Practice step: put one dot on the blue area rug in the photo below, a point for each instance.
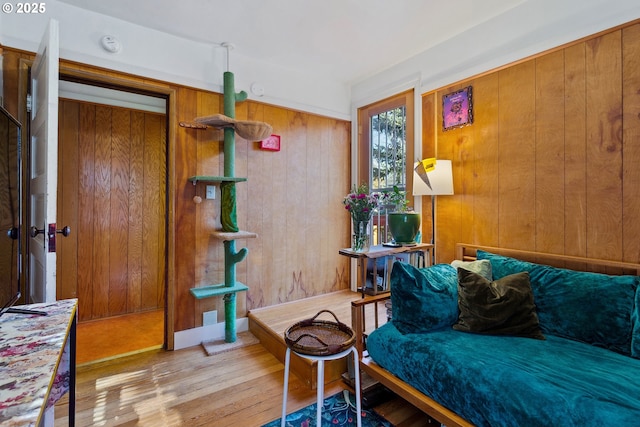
(338, 410)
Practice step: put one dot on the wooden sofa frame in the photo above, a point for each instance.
(464, 252)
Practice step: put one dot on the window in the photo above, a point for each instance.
(388, 149)
(385, 142)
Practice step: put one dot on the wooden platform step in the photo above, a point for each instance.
(268, 325)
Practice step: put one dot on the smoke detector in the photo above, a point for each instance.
(110, 44)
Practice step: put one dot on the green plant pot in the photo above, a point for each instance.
(404, 226)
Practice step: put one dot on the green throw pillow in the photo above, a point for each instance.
(501, 307)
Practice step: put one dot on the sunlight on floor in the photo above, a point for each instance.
(138, 390)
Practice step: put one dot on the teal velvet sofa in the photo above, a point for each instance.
(577, 365)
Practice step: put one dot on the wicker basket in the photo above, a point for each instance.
(319, 337)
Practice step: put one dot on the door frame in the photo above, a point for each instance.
(97, 79)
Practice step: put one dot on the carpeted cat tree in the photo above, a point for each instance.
(252, 131)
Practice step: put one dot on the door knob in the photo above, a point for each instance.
(35, 231)
(66, 230)
(51, 234)
(12, 233)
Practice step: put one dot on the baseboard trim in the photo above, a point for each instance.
(195, 336)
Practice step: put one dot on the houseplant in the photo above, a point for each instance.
(404, 224)
(361, 204)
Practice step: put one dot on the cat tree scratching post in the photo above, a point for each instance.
(228, 209)
(253, 131)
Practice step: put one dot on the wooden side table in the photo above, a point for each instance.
(386, 254)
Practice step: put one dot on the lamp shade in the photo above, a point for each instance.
(432, 177)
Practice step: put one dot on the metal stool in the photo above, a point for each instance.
(320, 385)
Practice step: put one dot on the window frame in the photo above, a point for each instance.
(404, 99)
(364, 167)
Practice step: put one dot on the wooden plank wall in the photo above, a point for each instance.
(292, 199)
(550, 162)
(112, 192)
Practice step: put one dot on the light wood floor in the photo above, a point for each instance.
(242, 387)
(104, 339)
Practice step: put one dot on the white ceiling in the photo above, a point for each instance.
(321, 56)
(348, 40)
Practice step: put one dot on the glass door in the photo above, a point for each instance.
(385, 142)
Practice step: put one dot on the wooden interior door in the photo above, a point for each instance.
(112, 188)
(43, 151)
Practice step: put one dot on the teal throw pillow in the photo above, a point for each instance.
(635, 318)
(423, 299)
(590, 307)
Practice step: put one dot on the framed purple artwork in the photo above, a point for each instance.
(457, 109)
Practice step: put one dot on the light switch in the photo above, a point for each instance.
(210, 317)
(211, 192)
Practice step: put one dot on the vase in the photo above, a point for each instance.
(360, 239)
(404, 227)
